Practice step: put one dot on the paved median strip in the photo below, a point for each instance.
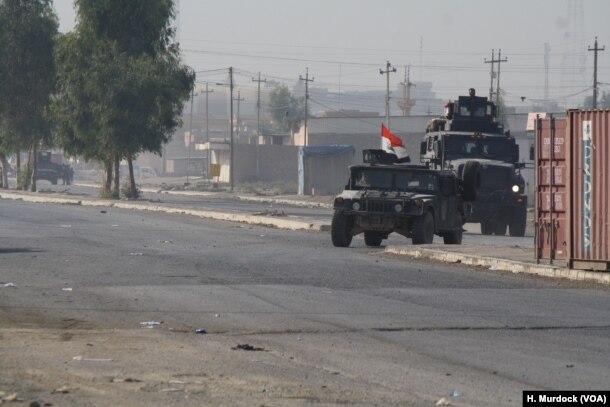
(287, 224)
(493, 263)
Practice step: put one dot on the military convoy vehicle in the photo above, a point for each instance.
(51, 171)
(469, 141)
(382, 197)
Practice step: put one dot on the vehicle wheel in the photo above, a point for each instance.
(373, 238)
(487, 228)
(518, 222)
(454, 237)
(471, 180)
(423, 229)
(500, 228)
(339, 231)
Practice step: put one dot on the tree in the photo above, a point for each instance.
(27, 76)
(122, 83)
(285, 110)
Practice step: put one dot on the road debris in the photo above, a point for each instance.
(151, 323)
(165, 241)
(455, 393)
(82, 359)
(136, 254)
(66, 289)
(115, 226)
(66, 226)
(62, 390)
(8, 285)
(248, 348)
(125, 380)
(201, 331)
(103, 211)
(443, 402)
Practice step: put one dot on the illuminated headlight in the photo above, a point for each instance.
(356, 206)
(398, 207)
(515, 188)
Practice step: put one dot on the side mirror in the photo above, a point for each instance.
(423, 147)
(516, 153)
(532, 153)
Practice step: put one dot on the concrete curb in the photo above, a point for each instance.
(493, 263)
(263, 199)
(224, 216)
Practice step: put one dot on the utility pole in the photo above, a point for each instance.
(207, 128)
(595, 49)
(258, 120)
(231, 170)
(188, 157)
(491, 73)
(492, 62)
(307, 80)
(500, 60)
(239, 99)
(388, 69)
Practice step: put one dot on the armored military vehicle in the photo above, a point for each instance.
(471, 142)
(382, 197)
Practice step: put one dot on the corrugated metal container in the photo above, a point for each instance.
(551, 195)
(588, 157)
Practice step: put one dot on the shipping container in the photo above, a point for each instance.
(588, 158)
(551, 194)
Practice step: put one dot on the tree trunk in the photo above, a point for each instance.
(5, 167)
(116, 193)
(18, 168)
(132, 180)
(35, 167)
(108, 179)
(28, 168)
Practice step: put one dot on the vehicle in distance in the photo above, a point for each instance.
(471, 142)
(411, 200)
(47, 169)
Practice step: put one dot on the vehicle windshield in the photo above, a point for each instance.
(404, 181)
(487, 147)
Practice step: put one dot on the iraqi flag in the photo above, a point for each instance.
(393, 145)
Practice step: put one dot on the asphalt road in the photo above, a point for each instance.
(234, 205)
(334, 326)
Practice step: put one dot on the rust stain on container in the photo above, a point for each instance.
(551, 194)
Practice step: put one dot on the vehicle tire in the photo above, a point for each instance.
(500, 228)
(423, 229)
(339, 231)
(454, 237)
(471, 180)
(518, 222)
(487, 228)
(373, 238)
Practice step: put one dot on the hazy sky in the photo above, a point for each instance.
(345, 42)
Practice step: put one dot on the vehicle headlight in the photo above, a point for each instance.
(398, 207)
(515, 188)
(356, 206)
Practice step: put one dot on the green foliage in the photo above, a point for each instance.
(122, 85)
(27, 32)
(285, 110)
